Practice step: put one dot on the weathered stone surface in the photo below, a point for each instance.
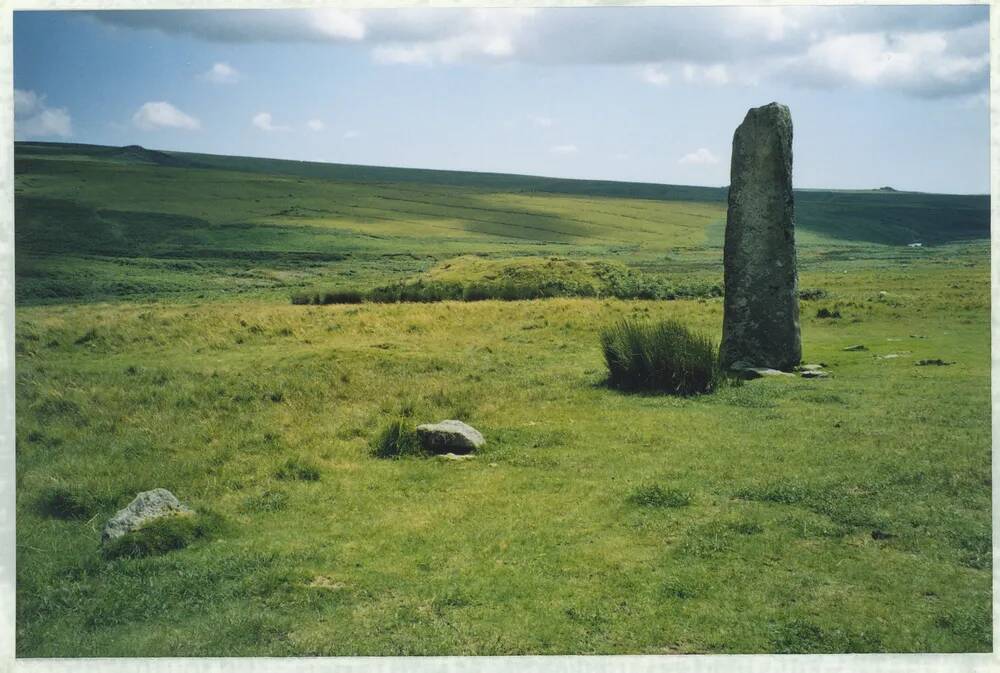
(761, 320)
(856, 347)
(814, 374)
(751, 373)
(146, 507)
(811, 368)
(449, 436)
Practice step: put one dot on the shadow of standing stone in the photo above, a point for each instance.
(761, 322)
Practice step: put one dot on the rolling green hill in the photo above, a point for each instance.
(94, 221)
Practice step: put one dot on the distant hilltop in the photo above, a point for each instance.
(512, 182)
(139, 154)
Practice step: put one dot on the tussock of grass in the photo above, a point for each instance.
(63, 502)
(656, 496)
(397, 438)
(165, 534)
(663, 357)
(301, 469)
(812, 294)
(265, 502)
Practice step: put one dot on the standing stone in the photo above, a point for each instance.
(761, 322)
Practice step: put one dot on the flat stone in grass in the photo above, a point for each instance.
(856, 347)
(751, 373)
(814, 374)
(147, 506)
(449, 437)
(938, 362)
(456, 456)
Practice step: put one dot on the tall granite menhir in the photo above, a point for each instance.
(760, 326)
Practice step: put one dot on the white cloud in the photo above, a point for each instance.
(700, 157)
(339, 24)
(264, 122)
(315, 125)
(655, 75)
(927, 64)
(542, 122)
(919, 50)
(716, 74)
(351, 135)
(564, 149)
(221, 73)
(34, 119)
(161, 114)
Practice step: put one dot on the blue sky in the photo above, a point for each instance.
(879, 95)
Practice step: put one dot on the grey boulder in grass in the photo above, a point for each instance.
(449, 436)
(146, 507)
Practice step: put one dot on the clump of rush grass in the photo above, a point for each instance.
(166, 534)
(656, 496)
(396, 439)
(662, 357)
(62, 502)
(300, 469)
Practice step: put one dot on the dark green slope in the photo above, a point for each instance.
(877, 216)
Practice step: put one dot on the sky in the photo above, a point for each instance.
(880, 96)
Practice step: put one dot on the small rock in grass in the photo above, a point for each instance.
(890, 356)
(751, 373)
(881, 535)
(449, 437)
(811, 368)
(815, 374)
(935, 361)
(455, 456)
(147, 506)
(856, 347)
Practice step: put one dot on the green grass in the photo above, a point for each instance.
(163, 535)
(664, 357)
(515, 279)
(848, 514)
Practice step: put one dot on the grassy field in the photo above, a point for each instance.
(157, 346)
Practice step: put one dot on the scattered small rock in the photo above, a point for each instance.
(917, 336)
(856, 347)
(455, 456)
(811, 368)
(936, 361)
(882, 294)
(881, 535)
(890, 356)
(449, 437)
(751, 373)
(815, 374)
(146, 507)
